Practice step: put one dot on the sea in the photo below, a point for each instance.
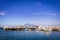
(28, 35)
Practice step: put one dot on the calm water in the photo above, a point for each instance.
(25, 35)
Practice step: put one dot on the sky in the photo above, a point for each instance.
(40, 12)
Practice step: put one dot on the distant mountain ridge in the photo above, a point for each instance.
(30, 25)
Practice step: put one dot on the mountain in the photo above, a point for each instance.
(30, 25)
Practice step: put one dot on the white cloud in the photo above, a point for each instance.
(2, 13)
(51, 14)
(36, 13)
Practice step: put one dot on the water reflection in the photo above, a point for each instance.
(48, 33)
(45, 33)
(29, 35)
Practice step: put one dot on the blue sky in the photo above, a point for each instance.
(42, 12)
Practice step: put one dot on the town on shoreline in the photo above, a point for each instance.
(31, 28)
